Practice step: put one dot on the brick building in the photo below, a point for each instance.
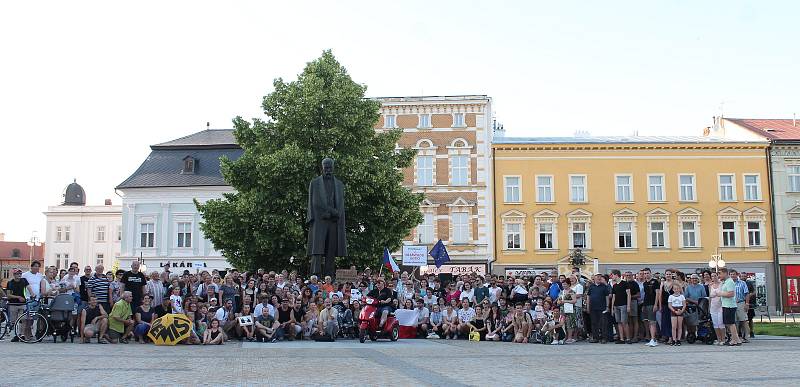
(17, 255)
(452, 136)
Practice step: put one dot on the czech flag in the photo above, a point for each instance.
(388, 261)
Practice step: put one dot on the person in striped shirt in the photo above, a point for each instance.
(99, 287)
(741, 305)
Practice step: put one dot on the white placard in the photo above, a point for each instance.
(453, 269)
(415, 255)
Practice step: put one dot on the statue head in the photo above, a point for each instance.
(327, 166)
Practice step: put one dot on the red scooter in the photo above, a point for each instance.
(369, 323)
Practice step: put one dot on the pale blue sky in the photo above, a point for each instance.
(85, 87)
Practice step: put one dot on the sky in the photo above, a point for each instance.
(86, 87)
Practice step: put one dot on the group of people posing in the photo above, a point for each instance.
(272, 306)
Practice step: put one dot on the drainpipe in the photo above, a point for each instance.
(492, 175)
(775, 255)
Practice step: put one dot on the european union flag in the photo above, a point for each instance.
(439, 254)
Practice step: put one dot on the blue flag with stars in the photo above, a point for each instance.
(439, 254)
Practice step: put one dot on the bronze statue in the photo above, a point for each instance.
(325, 220)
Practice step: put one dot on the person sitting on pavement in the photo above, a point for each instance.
(120, 323)
(328, 320)
(94, 320)
(227, 318)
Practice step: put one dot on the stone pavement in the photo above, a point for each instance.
(765, 360)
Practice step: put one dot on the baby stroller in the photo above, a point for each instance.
(60, 311)
(705, 328)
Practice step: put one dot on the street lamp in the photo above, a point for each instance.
(142, 266)
(33, 243)
(716, 262)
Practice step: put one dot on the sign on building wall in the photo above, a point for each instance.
(414, 255)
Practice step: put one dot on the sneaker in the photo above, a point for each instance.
(560, 342)
(275, 340)
(555, 342)
(652, 343)
(678, 343)
(570, 341)
(15, 339)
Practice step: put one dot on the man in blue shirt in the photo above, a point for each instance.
(741, 305)
(597, 303)
(694, 292)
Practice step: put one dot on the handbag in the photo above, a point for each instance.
(474, 336)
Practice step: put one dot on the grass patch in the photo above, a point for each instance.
(777, 329)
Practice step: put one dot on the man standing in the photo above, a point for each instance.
(728, 294)
(15, 291)
(135, 282)
(633, 315)
(87, 275)
(481, 291)
(120, 323)
(325, 218)
(694, 292)
(741, 304)
(99, 287)
(621, 299)
(650, 304)
(597, 303)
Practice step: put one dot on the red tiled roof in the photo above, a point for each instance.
(774, 129)
(7, 250)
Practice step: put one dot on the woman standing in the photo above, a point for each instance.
(715, 309)
(567, 300)
(229, 291)
(666, 315)
(250, 290)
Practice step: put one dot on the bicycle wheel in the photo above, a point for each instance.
(31, 327)
(3, 324)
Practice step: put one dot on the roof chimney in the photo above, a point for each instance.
(108, 202)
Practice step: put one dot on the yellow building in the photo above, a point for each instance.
(631, 202)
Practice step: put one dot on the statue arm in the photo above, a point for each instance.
(310, 209)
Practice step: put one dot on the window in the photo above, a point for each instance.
(655, 188)
(727, 188)
(754, 234)
(425, 230)
(58, 234)
(460, 169)
(579, 236)
(424, 120)
(15, 253)
(728, 234)
(688, 234)
(119, 233)
(99, 259)
(189, 163)
(458, 120)
(512, 188)
(793, 172)
(657, 239)
(752, 187)
(577, 188)
(390, 121)
(795, 235)
(624, 235)
(460, 227)
(624, 193)
(66, 233)
(513, 236)
(545, 235)
(147, 235)
(58, 261)
(687, 189)
(101, 233)
(544, 189)
(184, 234)
(424, 170)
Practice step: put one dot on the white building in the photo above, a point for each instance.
(161, 224)
(88, 235)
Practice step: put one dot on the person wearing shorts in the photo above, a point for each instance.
(728, 294)
(650, 301)
(621, 300)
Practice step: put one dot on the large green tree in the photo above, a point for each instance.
(321, 114)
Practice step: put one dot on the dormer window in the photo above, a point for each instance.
(189, 165)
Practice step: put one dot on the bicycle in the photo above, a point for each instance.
(4, 319)
(32, 322)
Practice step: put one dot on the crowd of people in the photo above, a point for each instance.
(625, 308)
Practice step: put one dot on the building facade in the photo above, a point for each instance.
(17, 255)
(784, 164)
(452, 136)
(159, 218)
(632, 202)
(86, 234)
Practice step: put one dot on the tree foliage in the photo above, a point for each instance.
(321, 114)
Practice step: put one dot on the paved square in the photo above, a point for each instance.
(404, 363)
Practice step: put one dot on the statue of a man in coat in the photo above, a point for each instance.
(325, 218)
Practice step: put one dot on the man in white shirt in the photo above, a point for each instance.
(258, 310)
(422, 319)
(34, 279)
(281, 283)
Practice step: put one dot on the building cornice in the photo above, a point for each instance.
(627, 147)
